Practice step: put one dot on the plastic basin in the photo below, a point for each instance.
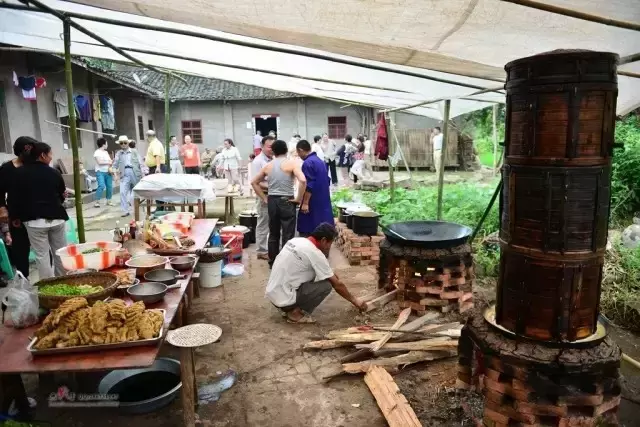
(73, 259)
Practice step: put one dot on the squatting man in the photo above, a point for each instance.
(301, 277)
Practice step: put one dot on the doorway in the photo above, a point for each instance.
(265, 124)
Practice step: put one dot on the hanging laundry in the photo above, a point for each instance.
(108, 115)
(61, 102)
(95, 108)
(28, 86)
(382, 140)
(40, 82)
(83, 108)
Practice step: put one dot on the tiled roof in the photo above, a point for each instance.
(197, 89)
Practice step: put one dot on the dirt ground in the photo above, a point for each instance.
(278, 384)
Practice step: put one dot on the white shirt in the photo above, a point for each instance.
(101, 156)
(231, 158)
(299, 262)
(367, 147)
(258, 163)
(44, 223)
(257, 141)
(437, 142)
(316, 148)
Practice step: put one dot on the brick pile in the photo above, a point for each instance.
(359, 250)
(528, 384)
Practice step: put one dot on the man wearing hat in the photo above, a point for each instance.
(155, 153)
(128, 164)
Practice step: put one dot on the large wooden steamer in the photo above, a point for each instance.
(554, 208)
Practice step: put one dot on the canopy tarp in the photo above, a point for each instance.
(459, 46)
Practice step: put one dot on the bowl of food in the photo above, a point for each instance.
(180, 221)
(95, 255)
(126, 278)
(146, 263)
(92, 286)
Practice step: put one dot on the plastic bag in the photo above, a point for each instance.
(21, 300)
(233, 270)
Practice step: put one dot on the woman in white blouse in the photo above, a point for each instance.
(231, 163)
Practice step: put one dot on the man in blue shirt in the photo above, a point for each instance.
(316, 203)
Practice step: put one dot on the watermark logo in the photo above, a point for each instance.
(65, 398)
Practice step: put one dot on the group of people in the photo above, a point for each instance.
(32, 212)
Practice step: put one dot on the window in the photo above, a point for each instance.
(337, 127)
(65, 132)
(192, 128)
(150, 124)
(140, 128)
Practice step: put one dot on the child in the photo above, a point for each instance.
(249, 174)
(88, 179)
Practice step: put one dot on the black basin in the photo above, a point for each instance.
(144, 390)
(427, 234)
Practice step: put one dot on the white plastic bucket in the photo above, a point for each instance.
(210, 274)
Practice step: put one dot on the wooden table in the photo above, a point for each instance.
(17, 360)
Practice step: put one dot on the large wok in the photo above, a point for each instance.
(427, 234)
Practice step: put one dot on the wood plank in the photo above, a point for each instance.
(326, 344)
(395, 361)
(402, 318)
(423, 345)
(392, 403)
(420, 322)
(188, 391)
(381, 301)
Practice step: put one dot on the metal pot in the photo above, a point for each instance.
(146, 263)
(183, 263)
(249, 219)
(149, 292)
(342, 215)
(365, 223)
(166, 276)
(156, 380)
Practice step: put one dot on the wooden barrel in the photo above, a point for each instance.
(554, 209)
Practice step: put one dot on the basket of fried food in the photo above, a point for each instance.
(92, 286)
(76, 327)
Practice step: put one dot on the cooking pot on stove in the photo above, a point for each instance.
(427, 234)
(365, 223)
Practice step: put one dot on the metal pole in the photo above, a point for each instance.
(486, 212)
(392, 181)
(445, 135)
(73, 134)
(167, 131)
(495, 138)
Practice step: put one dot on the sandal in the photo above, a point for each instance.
(304, 319)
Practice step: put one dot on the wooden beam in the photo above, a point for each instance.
(393, 362)
(442, 343)
(402, 318)
(381, 301)
(576, 14)
(445, 136)
(418, 323)
(392, 403)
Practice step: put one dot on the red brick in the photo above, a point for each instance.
(498, 387)
(607, 405)
(495, 416)
(492, 374)
(509, 411)
(577, 422)
(434, 302)
(541, 409)
(520, 385)
(581, 400)
(377, 239)
(451, 295)
(375, 257)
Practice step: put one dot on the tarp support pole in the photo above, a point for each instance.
(443, 152)
(486, 212)
(167, 131)
(73, 134)
(495, 138)
(392, 181)
(576, 14)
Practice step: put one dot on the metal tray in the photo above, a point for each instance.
(99, 347)
(427, 234)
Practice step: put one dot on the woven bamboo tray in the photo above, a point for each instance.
(108, 281)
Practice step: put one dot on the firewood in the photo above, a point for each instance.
(325, 344)
(425, 345)
(396, 361)
(419, 322)
(381, 301)
(352, 330)
(402, 318)
(356, 338)
(392, 403)
(431, 329)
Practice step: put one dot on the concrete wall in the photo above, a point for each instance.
(319, 110)
(28, 118)
(411, 121)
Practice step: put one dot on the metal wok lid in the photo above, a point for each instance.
(427, 234)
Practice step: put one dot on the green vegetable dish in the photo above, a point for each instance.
(92, 251)
(62, 289)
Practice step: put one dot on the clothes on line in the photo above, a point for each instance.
(107, 112)
(60, 100)
(83, 108)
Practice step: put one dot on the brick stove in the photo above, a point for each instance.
(540, 356)
(430, 263)
(359, 250)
